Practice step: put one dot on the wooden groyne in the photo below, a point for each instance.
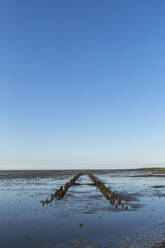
(111, 196)
(59, 194)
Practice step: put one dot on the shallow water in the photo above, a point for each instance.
(24, 222)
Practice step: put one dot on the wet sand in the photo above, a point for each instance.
(84, 216)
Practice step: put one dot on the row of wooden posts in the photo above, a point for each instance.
(111, 196)
(59, 194)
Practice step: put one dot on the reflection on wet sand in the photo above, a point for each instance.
(83, 218)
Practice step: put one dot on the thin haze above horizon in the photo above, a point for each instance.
(82, 84)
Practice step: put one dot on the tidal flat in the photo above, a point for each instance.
(83, 217)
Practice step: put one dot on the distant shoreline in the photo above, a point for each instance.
(56, 170)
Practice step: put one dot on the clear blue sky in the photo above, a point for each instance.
(82, 83)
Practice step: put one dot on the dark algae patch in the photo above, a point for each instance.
(151, 172)
(158, 186)
(150, 175)
(160, 245)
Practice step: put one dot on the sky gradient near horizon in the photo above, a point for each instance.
(82, 84)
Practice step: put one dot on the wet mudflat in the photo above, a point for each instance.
(83, 217)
